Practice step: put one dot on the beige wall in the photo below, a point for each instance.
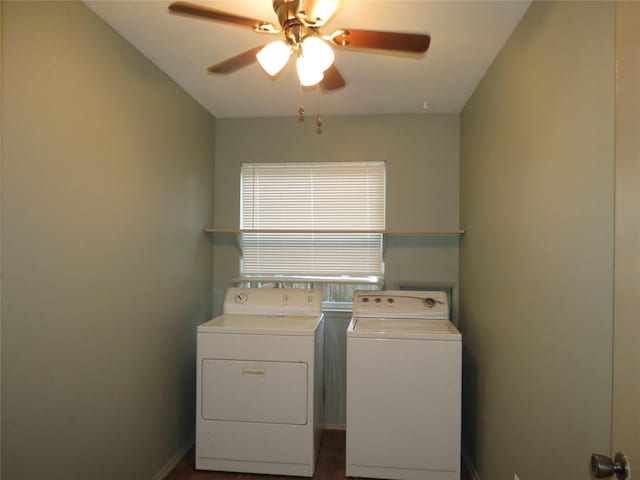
(421, 152)
(422, 155)
(626, 387)
(1, 35)
(536, 263)
(107, 172)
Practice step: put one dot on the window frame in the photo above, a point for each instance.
(319, 280)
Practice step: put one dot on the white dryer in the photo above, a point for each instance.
(403, 387)
(259, 383)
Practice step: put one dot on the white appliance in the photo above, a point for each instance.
(403, 387)
(259, 383)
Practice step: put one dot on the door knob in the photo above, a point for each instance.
(603, 467)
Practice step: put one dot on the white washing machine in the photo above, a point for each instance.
(403, 387)
(259, 383)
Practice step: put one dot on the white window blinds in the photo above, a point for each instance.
(329, 196)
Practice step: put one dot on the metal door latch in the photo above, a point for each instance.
(603, 467)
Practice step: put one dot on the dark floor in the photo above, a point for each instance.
(330, 464)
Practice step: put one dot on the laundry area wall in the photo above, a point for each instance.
(107, 179)
(422, 156)
(536, 267)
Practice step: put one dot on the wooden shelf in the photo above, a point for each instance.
(341, 231)
(307, 279)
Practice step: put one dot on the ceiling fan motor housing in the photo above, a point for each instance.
(294, 21)
(285, 10)
(288, 10)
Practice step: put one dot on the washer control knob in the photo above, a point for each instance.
(390, 300)
(430, 302)
(310, 299)
(378, 299)
(240, 298)
(285, 298)
(365, 299)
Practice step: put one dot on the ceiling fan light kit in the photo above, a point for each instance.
(300, 23)
(309, 73)
(317, 51)
(274, 57)
(314, 57)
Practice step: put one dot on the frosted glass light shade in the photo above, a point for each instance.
(317, 50)
(308, 72)
(273, 57)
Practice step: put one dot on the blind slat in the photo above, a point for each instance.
(313, 196)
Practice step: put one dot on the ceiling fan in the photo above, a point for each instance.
(299, 29)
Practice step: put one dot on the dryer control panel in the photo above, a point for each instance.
(273, 301)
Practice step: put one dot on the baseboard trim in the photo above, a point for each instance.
(333, 426)
(471, 468)
(173, 461)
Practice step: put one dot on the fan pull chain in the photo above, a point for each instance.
(319, 121)
(301, 106)
(301, 113)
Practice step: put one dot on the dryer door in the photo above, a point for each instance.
(254, 391)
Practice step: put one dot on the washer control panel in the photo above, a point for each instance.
(273, 301)
(401, 303)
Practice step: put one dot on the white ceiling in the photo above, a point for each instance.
(465, 38)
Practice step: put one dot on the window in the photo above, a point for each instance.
(293, 204)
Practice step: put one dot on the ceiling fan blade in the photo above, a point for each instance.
(200, 11)
(332, 79)
(316, 13)
(232, 64)
(404, 42)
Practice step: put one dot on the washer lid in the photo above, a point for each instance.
(408, 328)
(262, 324)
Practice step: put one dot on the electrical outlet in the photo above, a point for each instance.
(516, 477)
